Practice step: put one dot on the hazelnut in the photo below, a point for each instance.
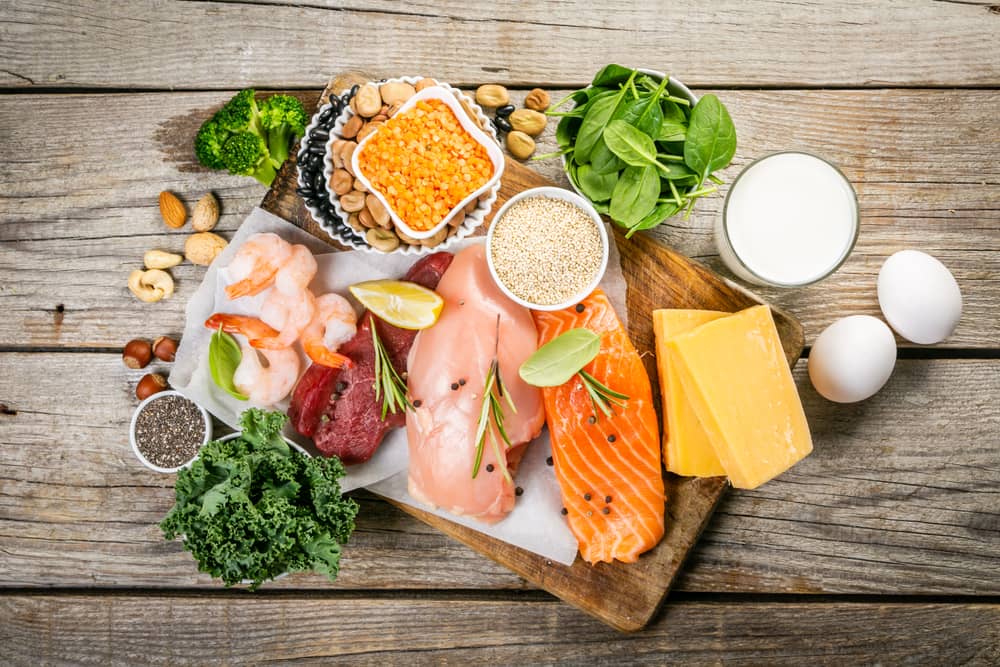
(137, 353)
(165, 348)
(151, 383)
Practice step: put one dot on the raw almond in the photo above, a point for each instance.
(172, 210)
(206, 214)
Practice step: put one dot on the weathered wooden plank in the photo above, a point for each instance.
(199, 629)
(923, 163)
(152, 44)
(899, 497)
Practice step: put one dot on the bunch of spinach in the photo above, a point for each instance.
(252, 507)
(639, 153)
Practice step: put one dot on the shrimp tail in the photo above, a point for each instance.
(323, 356)
(276, 342)
(252, 285)
(251, 327)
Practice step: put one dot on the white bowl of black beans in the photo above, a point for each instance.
(168, 430)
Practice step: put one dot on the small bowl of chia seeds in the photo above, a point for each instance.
(168, 430)
(547, 248)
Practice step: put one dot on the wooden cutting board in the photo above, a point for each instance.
(623, 596)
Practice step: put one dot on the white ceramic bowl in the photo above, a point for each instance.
(565, 195)
(131, 431)
(674, 87)
(488, 192)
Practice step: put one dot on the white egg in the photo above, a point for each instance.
(919, 297)
(852, 359)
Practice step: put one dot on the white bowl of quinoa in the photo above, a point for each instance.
(547, 248)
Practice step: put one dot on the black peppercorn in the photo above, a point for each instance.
(580, 307)
(607, 499)
(417, 403)
(548, 461)
(606, 510)
(518, 491)
(611, 438)
(454, 386)
(461, 382)
(591, 419)
(564, 511)
(489, 467)
(586, 497)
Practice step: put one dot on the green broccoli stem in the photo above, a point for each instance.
(278, 140)
(265, 172)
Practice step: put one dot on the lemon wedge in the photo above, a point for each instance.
(402, 304)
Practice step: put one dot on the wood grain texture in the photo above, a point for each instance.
(200, 629)
(926, 179)
(152, 44)
(898, 497)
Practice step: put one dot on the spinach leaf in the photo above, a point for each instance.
(224, 356)
(565, 130)
(711, 137)
(675, 171)
(600, 112)
(635, 195)
(671, 130)
(646, 114)
(597, 187)
(662, 211)
(630, 144)
(603, 160)
(612, 75)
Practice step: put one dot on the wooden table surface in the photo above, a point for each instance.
(883, 546)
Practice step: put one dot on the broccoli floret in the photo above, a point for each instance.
(241, 114)
(208, 143)
(245, 154)
(284, 119)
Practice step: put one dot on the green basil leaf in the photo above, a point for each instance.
(603, 160)
(662, 211)
(635, 195)
(224, 356)
(630, 144)
(557, 361)
(711, 137)
(612, 75)
(597, 187)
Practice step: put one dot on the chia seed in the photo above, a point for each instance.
(169, 431)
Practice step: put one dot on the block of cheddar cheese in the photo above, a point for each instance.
(734, 373)
(686, 448)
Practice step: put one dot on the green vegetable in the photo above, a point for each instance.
(224, 355)
(635, 195)
(628, 135)
(557, 361)
(277, 122)
(252, 508)
(711, 137)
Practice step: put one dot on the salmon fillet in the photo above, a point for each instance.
(608, 471)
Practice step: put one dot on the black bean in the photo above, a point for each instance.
(502, 124)
(318, 181)
(505, 111)
(354, 90)
(317, 149)
(321, 135)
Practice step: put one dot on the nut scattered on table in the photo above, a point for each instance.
(137, 353)
(205, 216)
(203, 247)
(165, 348)
(150, 286)
(161, 259)
(172, 210)
(537, 100)
(492, 95)
(383, 240)
(367, 101)
(151, 383)
(396, 92)
(425, 83)
(520, 144)
(528, 121)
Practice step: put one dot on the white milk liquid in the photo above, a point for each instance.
(790, 219)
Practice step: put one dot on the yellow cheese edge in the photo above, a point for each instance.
(687, 450)
(723, 435)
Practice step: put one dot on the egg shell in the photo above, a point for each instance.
(852, 359)
(919, 297)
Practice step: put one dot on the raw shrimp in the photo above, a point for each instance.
(289, 314)
(255, 264)
(297, 271)
(334, 324)
(266, 385)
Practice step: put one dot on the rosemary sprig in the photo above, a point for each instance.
(602, 396)
(389, 386)
(492, 410)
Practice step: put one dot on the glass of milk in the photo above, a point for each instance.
(790, 219)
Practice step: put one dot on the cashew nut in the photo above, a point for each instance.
(150, 286)
(383, 240)
(160, 259)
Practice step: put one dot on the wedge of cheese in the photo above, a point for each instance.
(734, 373)
(686, 447)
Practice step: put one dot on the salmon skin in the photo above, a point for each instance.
(609, 470)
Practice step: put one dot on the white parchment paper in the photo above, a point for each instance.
(536, 523)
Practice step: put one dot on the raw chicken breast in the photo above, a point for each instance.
(457, 351)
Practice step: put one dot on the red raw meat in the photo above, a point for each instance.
(337, 407)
